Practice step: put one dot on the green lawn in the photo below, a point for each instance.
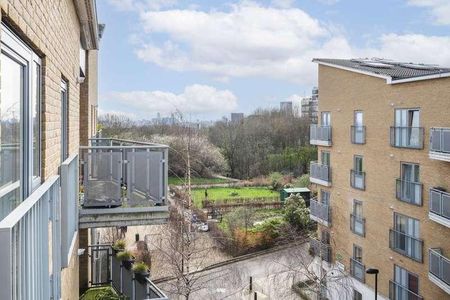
(228, 193)
(197, 180)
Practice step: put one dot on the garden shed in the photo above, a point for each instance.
(304, 192)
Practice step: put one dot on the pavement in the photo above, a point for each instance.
(273, 275)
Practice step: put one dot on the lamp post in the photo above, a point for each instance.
(373, 271)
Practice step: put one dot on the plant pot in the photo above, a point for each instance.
(128, 263)
(141, 277)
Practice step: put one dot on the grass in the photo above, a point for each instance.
(197, 180)
(230, 193)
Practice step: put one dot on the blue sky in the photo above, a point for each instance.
(209, 58)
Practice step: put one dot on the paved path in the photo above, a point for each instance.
(271, 274)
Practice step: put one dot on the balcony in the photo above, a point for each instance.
(320, 249)
(319, 212)
(407, 137)
(320, 174)
(358, 225)
(439, 269)
(399, 292)
(357, 270)
(320, 135)
(440, 144)
(124, 183)
(439, 207)
(408, 191)
(406, 245)
(358, 134)
(27, 237)
(358, 180)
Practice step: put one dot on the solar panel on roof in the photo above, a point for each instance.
(376, 65)
(420, 66)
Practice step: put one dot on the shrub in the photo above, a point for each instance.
(276, 181)
(120, 245)
(302, 181)
(124, 255)
(140, 267)
(296, 212)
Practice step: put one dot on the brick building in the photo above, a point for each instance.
(383, 177)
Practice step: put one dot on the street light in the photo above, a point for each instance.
(373, 271)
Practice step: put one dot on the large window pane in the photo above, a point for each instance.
(10, 135)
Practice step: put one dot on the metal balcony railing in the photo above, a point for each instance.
(319, 211)
(407, 137)
(439, 266)
(320, 135)
(320, 249)
(440, 203)
(320, 172)
(406, 245)
(357, 270)
(440, 140)
(30, 239)
(358, 134)
(399, 292)
(408, 191)
(123, 173)
(358, 179)
(358, 225)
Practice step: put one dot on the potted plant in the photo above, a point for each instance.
(119, 246)
(126, 258)
(141, 272)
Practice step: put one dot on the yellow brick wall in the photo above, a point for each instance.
(342, 92)
(52, 29)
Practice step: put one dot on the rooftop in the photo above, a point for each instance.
(392, 71)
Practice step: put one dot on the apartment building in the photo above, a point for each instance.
(383, 177)
(309, 106)
(48, 108)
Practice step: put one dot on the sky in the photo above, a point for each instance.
(208, 58)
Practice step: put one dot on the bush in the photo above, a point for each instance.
(302, 181)
(120, 245)
(140, 267)
(276, 181)
(124, 255)
(296, 212)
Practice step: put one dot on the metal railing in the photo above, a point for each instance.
(319, 171)
(358, 134)
(440, 203)
(408, 191)
(407, 137)
(357, 270)
(440, 140)
(127, 173)
(320, 210)
(320, 133)
(399, 292)
(358, 225)
(406, 245)
(358, 179)
(69, 207)
(30, 237)
(439, 265)
(320, 249)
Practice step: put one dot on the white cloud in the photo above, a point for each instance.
(440, 9)
(282, 3)
(195, 99)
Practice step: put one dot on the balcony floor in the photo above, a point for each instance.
(439, 156)
(319, 181)
(439, 219)
(445, 287)
(320, 143)
(122, 216)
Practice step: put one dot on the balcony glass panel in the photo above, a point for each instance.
(358, 225)
(320, 249)
(358, 134)
(320, 171)
(358, 179)
(320, 133)
(357, 270)
(440, 140)
(409, 191)
(440, 203)
(406, 245)
(399, 292)
(407, 137)
(439, 265)
(319, 210)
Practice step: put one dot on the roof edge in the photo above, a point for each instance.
(87, 16)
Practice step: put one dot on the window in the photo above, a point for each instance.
(357, 175)
(407, 131)
(325, 118)
(64, 121)
(357, 222)
(357, 295)
(357, 208)
(358, 163)
(20, 152)
(358, 118)
(410, 172)
(325, 197)
(406, 237)
(406, 280)
(357, 253)
(325, 237)
(409, 188)
(325, 158)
